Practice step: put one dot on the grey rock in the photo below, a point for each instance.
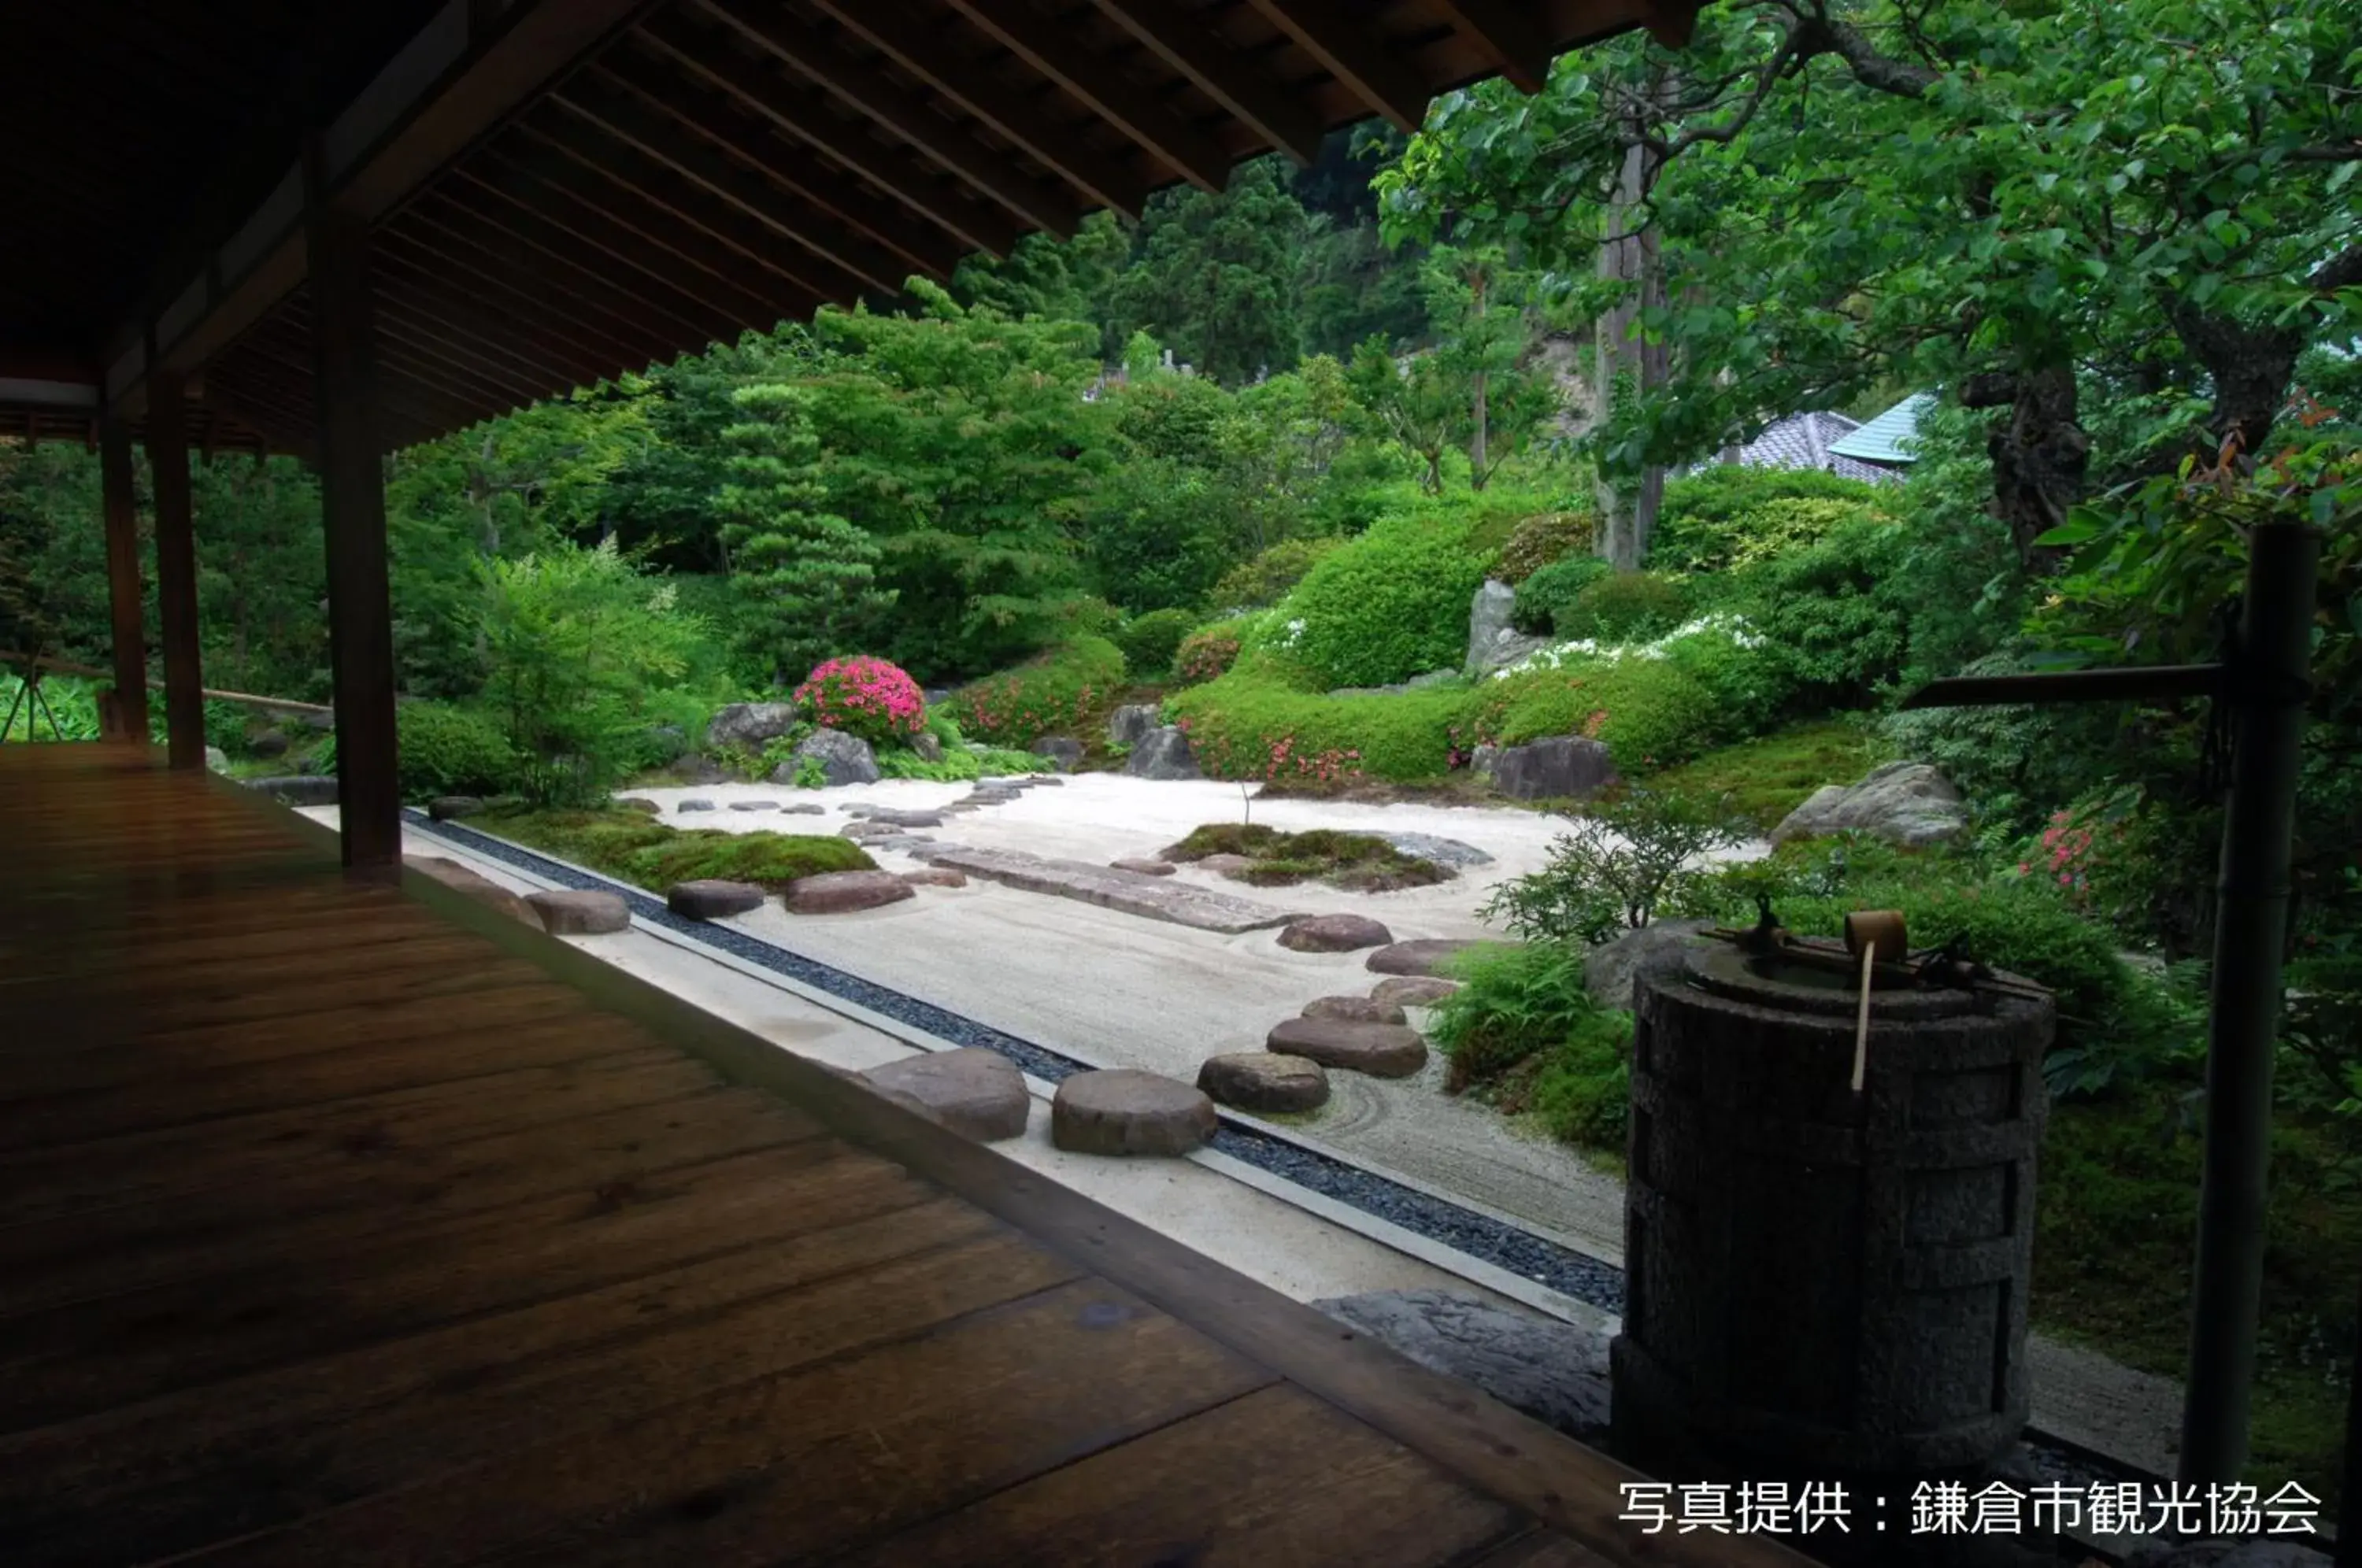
(976, 1093)
(1264, 1081)
(894, 816)
(1041, 781)
(698, 804)
(1354, 1010)
(640, 804)
(1441, 851)
(694, 770)
(451, 808)
(1333, 934)
(1064, 752)
(907, 843)
(1129, 724)
(805, 810)
(2229, 1554)
(1484, 759)
(1223, 864)
(752, 724)
(710, 898)
(1554, 1373)
(1420, 957)
(934, 877)
(474, 884)
(1557, 767)
(217, 760)
(581, 912)
(1121, 1111)
(1612, 969)
(841, 892)
(844, 759)
(754, 805)
(669, 742)
(936, 694)
(323, 720)
(1163, 752)
(1143, 867)
(266, 743)
(1413, 990)
(926, 747)
(299, 789)
(1909, 803)
(1381, 1050)
(1493, 642)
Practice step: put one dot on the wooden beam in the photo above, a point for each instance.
(1345, 40)
(1052, 52)
(869, 92)
(352, 501)
(1508, 34)
(123, 591)
(176, 572)
(1222, 73)
(1060, 146)
(473, 292)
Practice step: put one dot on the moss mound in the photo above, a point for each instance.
(1341, 859)
(628, 845)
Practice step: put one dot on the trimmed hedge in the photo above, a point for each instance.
(1057, 692)
(1730, 514)
(1624, 605)
(1208, 653)
(1550, 539)
(1149, 642)
(1648, 711)
(445, 750)
(1391, 604)
(1546, 600)
(1252, 724)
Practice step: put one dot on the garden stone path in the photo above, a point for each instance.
(1156, 898)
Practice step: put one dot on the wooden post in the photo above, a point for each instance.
(129, 701)
(176, 572)
(352, 496)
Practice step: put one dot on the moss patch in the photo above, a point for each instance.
(1765, 780)
(1341, 859)
(634, 849)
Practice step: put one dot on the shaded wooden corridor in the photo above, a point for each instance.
(347, 1224)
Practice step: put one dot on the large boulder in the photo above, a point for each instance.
(1266, 1081)
(1557, 768)
(267, 743)
(839, 892)
(451, 808)
(1381, 1050)
(752, 725)
(1555, 1372)
(976, 1093)
(696, 770)
(844, 759)
(1907, 803)
(710, 898)
(474, 884)
(1121, 1111)
(1333, 934)
(217, 760)
(581, 912)
(1493, 642)
(1129, 724)
(1163, 752)
(1612, 969)
(1445, 852)
(926, 747)
(1064, 752)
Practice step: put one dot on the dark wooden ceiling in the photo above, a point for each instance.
(715, 165)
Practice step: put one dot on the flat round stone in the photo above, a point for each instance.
(1333, 934)
(581, 912)
(1420, 957)
(1354, 1010)
(1381, 1050)
(1121, 1111)
(1266, 1081)
(936, 877)
(839, 892)
(976, 1093)
(1413, 990)
(467, 879)
(1144, 867)
(710, 898)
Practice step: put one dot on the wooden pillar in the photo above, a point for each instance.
(176, 572)
(123, 592)
(352, 496)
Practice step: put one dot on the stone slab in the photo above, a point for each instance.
(1121, 1111)
(581, 912)
(1555, 1372)
(1266, 1081)
(1381, 1050)
(976, 1093)
(1413, 990)
(842, 892)
(1152, 898)
(1334, 934)
(712, 898)
(1354, 1010)
(1421, 956)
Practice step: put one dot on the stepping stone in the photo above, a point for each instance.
(1420, 957)
(754, 805)
(1381, 1050)
(639, 803)
(474, 884)
(891, 817)
(904, 842)
(976, 1093)
(697, 805)
(586, 912)
(1265, 1080)
(1223, 864)
(1121, 1111)
(451, 808)
(841, 892)
(1042, 783)
(1144, 867)
(1333, 934)
(805, 811)
(866, 830)
(1354, 1010)
(934, 877)
(1413, 990)
(1158, 898)
(710, 898)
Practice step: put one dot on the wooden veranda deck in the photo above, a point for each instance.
(347, 1224)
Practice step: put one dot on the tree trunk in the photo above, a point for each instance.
(1478, 468)
(1626, 366)
(2040, 455)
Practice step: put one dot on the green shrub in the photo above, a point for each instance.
(1545, 540)
(1057, 692)
(1149, 642)
(69, 709)
(1610, 873)
(1831, 627)
(639, 850)
(1252, 724)
(1210, 651)
(1648, 711)
(1389, 605)
(1547, 598)
(446, 750)
(1263, 579)
(956, 767)
(1624, 605)
(1523, 1033)
(1730, 515)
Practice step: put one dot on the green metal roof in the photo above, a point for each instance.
(1888, 437)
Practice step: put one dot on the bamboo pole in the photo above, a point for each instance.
(67, 666)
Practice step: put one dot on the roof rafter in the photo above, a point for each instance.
(1510, 35)
(1348, 47)
(1230, 78)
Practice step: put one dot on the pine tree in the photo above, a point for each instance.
(809, 576)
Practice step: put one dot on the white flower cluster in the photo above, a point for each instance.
(1290, 632)
(1590, 650)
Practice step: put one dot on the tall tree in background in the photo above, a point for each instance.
(808, 578)
(1215, 277)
